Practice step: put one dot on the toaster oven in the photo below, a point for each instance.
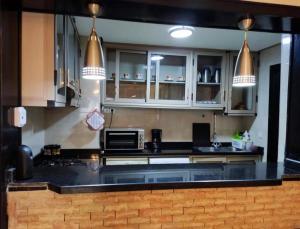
(123, 139)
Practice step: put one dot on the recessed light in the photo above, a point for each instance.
(181, 31)
(156, 57)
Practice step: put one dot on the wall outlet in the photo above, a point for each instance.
(108, 110)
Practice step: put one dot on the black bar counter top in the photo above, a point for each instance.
(81, 179)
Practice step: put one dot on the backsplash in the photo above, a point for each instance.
(66, 126)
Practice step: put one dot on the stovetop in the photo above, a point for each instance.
(61, 163)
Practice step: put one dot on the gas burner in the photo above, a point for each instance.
(62, 163)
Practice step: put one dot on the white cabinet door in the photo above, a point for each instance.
(243, 159)
(209, 79)
(136, 79)
(169, 77)
(126, 161)
(211, 159)
(171, 160)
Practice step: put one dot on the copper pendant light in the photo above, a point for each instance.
(94, 60)
(244, 70)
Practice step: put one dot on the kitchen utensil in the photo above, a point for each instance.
(206, 75)
(180, 78)
(217, 75)
(113, 76)
(126, 76)
(139, 76)
(199, 77)
(24, 162)
(169, 78)
(156, 138)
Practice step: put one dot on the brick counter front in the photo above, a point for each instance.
(241, 207)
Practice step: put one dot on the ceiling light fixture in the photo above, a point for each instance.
(93, 67)
(244, 70)
(156, 57)
(181, 31)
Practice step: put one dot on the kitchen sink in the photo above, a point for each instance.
(220, 149)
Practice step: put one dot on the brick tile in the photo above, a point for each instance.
(39, 225)
(172, 211)
(150, 226)
(65, 225)
(150, 212)
(77, 218)
(114, 222)
(161, 219)
(127, 213)
(214, 209)
(172, 225)
(193, 210)
(96, 216)
(161, 204)
(116, 207)
(139, 205)
(193, 225)
(138, 220)
(183, 218)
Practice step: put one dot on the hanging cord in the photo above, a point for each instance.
(94, 22)
(245, 35)
(111, 117)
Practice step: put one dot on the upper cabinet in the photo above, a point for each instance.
(147, 77)
(50, 60)
(60, 65)
(209, 80)
(241, 100)
(172, 78)
(169, 77)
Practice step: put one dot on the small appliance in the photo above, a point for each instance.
(124, 138)
(156, 138)
(24, 163)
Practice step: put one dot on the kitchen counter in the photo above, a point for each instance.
(80, 179)
(196, 151)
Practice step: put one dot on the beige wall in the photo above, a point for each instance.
(33, 133)
(283, 2)
(176, 124)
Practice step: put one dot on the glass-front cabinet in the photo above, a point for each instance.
(67, 62)
(146, 77)
(175, 78)
(132, 72)
(209, 80)
(169, 78)
(241, 100)
(60, 42)
(126, 76)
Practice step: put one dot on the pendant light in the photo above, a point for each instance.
(244, 70)
(93, 67)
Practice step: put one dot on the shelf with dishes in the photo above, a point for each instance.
(208, 84)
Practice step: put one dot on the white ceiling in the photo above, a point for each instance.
(157, 34)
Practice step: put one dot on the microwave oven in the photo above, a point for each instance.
(124, 139)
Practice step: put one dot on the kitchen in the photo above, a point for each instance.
(166, 140)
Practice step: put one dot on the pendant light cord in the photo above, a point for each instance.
(94, 21)
(245, 36)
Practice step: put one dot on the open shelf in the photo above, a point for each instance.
(209, 84)
(172, 82)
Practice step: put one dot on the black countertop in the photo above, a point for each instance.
(195, 151)
(80, 179)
